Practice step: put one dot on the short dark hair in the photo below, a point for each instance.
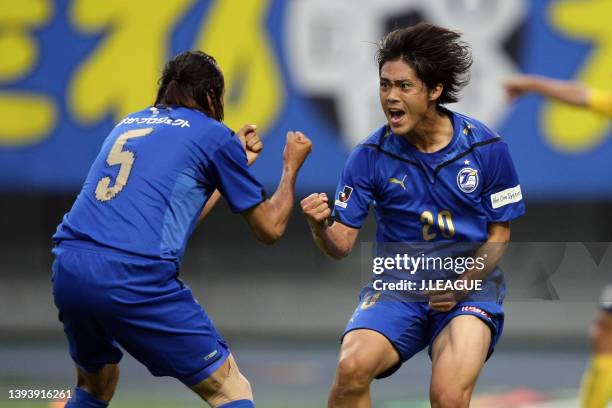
(189, 78)
(437, 55)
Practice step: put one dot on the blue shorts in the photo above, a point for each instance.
(107, 299)
(412, 326)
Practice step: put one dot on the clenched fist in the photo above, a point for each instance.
(251, 142)
(316, 209)
(297, 148)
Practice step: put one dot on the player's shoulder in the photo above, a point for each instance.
(193, 126)
(363, 153)
(376, 137)
(473, 130)
(477, 136)
(202, 129)
(200, 122)
(371, 143)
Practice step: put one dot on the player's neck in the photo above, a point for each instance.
(433, 133)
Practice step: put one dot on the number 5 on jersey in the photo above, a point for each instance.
(124, 158)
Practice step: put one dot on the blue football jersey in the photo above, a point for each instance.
(448, 196)
(151, 179)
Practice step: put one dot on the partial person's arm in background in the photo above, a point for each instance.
(572, 93)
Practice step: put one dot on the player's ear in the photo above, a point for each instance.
(435, 92)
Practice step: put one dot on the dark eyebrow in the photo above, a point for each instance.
(398, 81)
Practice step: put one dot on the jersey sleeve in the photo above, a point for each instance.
(600, 101)
(234, 180)
(501, 196)
(355, 189)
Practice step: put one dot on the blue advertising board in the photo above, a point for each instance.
(70, 70)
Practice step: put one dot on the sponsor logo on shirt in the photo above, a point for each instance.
(393, 180)
(467, 179)
(475, 309)
(154, 120)
(344, 196)
(507, 196)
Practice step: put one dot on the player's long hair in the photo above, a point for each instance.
(437, 55)
(193, 79)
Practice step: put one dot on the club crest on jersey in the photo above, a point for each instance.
(467, 179)
(344, 196)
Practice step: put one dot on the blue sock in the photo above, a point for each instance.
(239, 404)
(83, 399)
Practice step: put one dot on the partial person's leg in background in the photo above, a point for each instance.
(226, 387)
(458, 354)
(596, 388)
(364, 355)
(94, 390)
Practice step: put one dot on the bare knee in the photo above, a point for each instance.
(352, 375)
(601, 333)
(225, 385)
(449, 396)
(100, 384)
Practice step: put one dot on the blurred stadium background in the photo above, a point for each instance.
(70, 69)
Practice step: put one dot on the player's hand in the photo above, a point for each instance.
(316, 209)
(442, 300)
(297, 148)
(516, 86)
(251, 142)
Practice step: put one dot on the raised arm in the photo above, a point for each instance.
(336, 240)
(572, 93)
(253, 146)
(269, 219)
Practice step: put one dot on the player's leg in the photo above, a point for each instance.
(596, 388)
(226, 387)
(458, 354)
(162, 326)
(380, 336)
(96, 389)
(364, 355)
(94, 352)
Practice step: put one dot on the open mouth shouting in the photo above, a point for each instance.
(396, 116)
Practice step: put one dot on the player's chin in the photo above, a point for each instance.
(400, 129)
